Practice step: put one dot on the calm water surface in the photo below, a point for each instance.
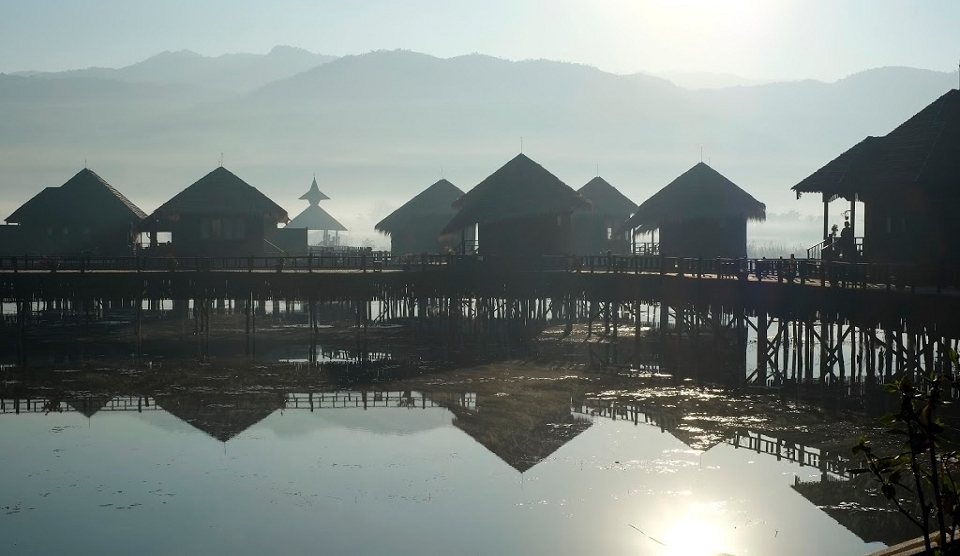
(387, 480)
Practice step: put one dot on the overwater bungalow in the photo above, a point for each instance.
(907, 182)
(315, 219)
(415, 226)
(595, 231)
(519, 210)
(85, 215)
(699, 214)
(222, 216)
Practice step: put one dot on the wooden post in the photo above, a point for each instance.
(762, 348)
(853, 222)
(826, 218)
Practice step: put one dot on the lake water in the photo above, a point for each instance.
(407, 475)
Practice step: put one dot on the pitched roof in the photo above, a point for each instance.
(221, 192)
(436, 200)
(700, 192)
(520, 187)
(520, 437)
(315, 218)
(852, 503)
(924, 151)
(606, 198)
(85, 196)
(89, 406)
(314, 195)
(836, 176)
(221, 416)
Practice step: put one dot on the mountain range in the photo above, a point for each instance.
(379, 127)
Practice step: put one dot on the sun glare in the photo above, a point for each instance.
(700, 531)
(698, 35)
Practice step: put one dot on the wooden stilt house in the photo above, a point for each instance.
(699, 214)
(519, 210)
(596, 231)
(85, 215)
(415, 226)
(315, 219)
(222, 216)
(909, 184)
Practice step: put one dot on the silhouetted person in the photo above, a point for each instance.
(792, 268)
(848, 245)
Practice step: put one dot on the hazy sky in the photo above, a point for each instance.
(763, 39)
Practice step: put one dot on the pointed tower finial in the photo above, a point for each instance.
(314, 195)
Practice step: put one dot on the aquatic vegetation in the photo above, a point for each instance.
(920, 480)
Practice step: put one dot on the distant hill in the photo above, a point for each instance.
(708, 80)
(377, 128)
(229, 72)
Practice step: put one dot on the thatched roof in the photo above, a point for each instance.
(89, 406)
(314, 195)
(84, 197)
(436, 200)
(520, 187)
(315, 218)
(700, 192)
(858, 505)
(220, 192)
(520, 441)
(837, 176)
(922, 152)
(221, 416)
(606, 198)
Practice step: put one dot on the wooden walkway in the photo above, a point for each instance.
(310, 401)
(829, 464)
(869, 295)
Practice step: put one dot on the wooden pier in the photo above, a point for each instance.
(847, 317)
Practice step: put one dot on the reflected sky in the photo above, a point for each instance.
(389, 480)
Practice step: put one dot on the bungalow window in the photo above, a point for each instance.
(609, 233)
(229, 229)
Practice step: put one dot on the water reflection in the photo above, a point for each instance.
(504, 462)
(854, 501)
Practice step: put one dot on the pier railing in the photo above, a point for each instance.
(804, 271)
